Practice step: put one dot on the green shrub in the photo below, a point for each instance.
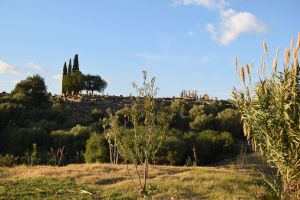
(230, 120)
(97, 114)
(20, 140)
(96, 149)
(197, 110)
(172, 151)
(7, 160)
(211, 146)
(178, 106)
(73, 140)
(57, 106)
(202, 122)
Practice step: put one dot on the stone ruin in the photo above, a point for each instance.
(191, 94)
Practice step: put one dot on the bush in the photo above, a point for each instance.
(73, 140)
(7, 160)
(20, 140)
(178, 106)
(197, 110)
(97, 114)
(172, 151)
(9, 112)
(212, 146)
(209, 146)
(202, 122)
(96, 149)
(77, 118)
(230, 120)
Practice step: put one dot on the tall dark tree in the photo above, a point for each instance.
(65, 70)
(65, 74)
(94, 83)
(77, 82)
(70, 67)
(75, 63)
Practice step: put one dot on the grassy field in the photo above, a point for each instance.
(105, 181)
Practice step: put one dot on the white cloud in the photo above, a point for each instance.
(191, 33)
(6, 68)
(35, 67)
(149, 56)
(58, 77)
(233, 24)
(211, 4)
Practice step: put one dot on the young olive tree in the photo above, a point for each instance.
(270, 111)
(138, 145)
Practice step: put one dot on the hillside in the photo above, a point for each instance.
(87, 103)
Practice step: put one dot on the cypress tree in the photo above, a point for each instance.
(65, 71)
(70, 67)
(63, 84)
(68, 79)
(75, 63)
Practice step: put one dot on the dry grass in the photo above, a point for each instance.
(165, 181)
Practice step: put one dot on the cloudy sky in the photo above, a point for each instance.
(185, 44)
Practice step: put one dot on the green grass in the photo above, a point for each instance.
(44, 188)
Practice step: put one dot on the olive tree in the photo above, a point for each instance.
(139, 144)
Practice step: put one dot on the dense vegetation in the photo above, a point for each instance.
(270, 111)
(34, 130)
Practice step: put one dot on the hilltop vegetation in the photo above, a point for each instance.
(74, 81)
(29, 118)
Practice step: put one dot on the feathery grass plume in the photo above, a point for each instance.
(298, 43)
(265, 48)
(285, 61)
(294, 54)
(287, 56)
(275, 61)
(246, 66)
(258, 74)
(251, 66)
(292, 43)
(236, 63)
(242, 74)
(295, 62)
(263, 64)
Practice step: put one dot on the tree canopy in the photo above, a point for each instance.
(34, 90)
(94, 83)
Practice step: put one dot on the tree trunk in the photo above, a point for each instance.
(143, 191)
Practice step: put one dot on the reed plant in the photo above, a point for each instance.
(270, 113)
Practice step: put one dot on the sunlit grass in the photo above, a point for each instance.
(105, 181)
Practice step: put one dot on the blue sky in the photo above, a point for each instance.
(185, 44)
